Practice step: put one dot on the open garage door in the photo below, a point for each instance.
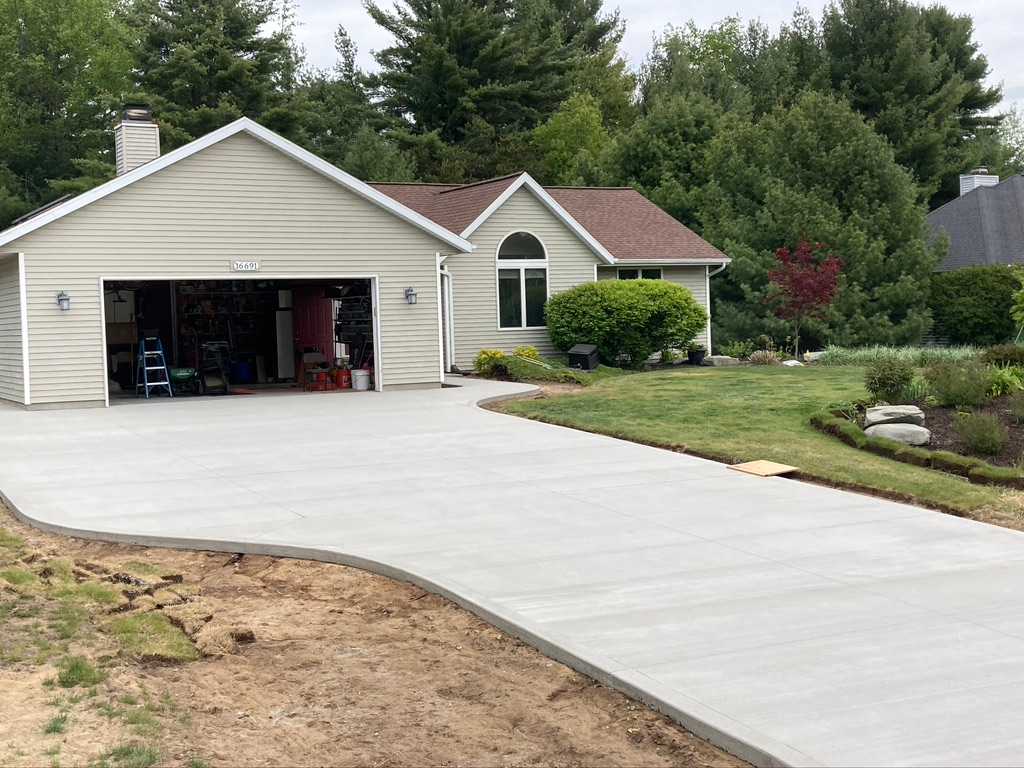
(196, 337)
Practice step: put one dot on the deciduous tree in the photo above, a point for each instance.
(803, 284)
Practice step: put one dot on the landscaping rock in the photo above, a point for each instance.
(909, 434)
(811, 357)
(792, 364)
(720, 360)
(893, 414)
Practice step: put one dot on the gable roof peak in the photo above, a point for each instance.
(265, 135)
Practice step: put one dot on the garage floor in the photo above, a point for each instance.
(786, 621)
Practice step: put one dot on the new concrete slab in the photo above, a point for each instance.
(791, 623)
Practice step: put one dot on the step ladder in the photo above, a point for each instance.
(151, 367)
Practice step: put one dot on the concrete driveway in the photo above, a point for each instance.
(787, 622)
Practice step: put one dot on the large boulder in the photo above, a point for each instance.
(893, 414)
(909, 434)
(720, 360)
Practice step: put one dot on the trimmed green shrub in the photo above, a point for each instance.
(627, 319)
(956, 385)
(741, 350)
(488, 361)
(982, 433)
(954, 463)
(888, 378)
(972, 306)
(1004, 354)
(989, 475)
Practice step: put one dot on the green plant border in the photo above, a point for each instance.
(974, 470)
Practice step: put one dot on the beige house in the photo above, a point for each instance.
(245, 246)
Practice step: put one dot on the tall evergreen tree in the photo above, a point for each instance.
(63, 70)
(479, 75)
(917, 75)
(203, 63)
(457, 61)
(817, 172)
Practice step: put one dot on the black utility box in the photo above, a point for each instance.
(584, 356)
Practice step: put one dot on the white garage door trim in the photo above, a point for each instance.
(378, 355)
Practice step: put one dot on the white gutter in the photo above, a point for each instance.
(674, 262)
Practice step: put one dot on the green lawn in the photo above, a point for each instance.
(746, 413)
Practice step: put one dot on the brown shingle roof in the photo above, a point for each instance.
(630, 226)
(627, 224)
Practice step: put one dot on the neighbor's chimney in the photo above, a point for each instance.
(979, 177)
(136, 138)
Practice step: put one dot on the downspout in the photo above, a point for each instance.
(708, 274)
(446, 280)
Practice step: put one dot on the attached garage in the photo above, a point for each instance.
(233, 230)
(242, 262)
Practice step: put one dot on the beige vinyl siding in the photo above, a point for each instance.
(135, 144)
(238, 199)
(694, 279)
(474, 290)
(12, 381)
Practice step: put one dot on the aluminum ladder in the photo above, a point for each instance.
(151, 367)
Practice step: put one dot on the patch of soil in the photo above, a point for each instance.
(335, 666)
(942, 423)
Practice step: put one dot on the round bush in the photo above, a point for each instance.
(888, 378)
(972, 306)
(627, 319)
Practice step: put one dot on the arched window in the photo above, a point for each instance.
(522, 281)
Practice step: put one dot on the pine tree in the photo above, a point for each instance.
(817, 172)
(203, 63)
(63, 70)
(917, 75)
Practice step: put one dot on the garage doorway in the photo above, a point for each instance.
(239, 336)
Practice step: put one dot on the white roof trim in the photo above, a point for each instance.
(265, 135)
(525, 180)
(670, 262)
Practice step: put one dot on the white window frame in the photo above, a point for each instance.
(640, 273)
(521, 265)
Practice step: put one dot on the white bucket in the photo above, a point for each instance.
(360, 380)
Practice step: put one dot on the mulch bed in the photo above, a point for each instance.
(942, 423)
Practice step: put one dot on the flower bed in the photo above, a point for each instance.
(845, 428)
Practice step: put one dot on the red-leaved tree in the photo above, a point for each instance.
(805, 283)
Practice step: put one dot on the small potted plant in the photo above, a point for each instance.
(695, 354)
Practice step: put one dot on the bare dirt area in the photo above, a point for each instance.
(116, 656)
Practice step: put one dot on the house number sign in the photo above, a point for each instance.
(245, 266)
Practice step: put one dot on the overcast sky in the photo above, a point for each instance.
(993, 19)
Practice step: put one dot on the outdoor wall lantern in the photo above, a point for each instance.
(63, 301)
(410, 295)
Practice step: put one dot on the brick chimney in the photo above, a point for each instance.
(136, 138)
(979, 177)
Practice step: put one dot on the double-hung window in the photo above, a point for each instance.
(522, 281)
(652, 273)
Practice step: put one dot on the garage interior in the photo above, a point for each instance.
(237, 337)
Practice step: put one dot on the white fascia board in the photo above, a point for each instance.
(525, 180)
(673, 262)
(265, 135)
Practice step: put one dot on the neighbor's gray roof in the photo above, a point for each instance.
(985, 226)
